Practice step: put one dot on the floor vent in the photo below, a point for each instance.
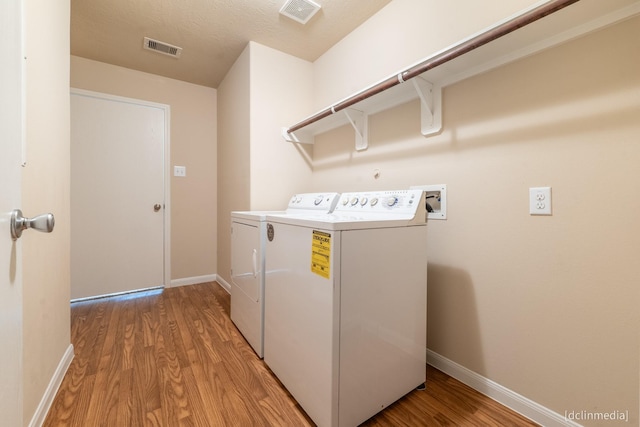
(300, 10)
(162, 47)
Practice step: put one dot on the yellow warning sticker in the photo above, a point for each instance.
(321, 253)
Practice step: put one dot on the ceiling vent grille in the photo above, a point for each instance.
(300, 10)
(162, 47)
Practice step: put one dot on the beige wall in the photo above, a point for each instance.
(403, 33)
(233, 155)
(545, 306)
(46, 334)
(193, 144)
(264, 91)
(281, 86)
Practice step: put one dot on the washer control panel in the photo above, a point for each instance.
(322, 202)
(400, 202)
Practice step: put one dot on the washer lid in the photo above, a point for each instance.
(304, 203)
(254, 215)
(373, 209)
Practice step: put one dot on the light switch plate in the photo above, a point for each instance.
(540, 201)
(179, 171)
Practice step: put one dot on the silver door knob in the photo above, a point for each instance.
(156, 207)
(44, 222)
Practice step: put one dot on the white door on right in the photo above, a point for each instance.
(117, 194)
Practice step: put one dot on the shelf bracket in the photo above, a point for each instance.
(360, 122)
(299, 136)
(430, 106)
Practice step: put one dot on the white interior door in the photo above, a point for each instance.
(117, 194)
(10, 192)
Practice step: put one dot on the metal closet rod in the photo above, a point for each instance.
(446, 56)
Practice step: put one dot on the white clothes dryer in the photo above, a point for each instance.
(345, 295)
(248, 237)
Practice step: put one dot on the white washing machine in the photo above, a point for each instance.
(345, 295)
(248, 236)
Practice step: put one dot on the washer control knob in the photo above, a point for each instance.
(318, 200)
(354, 201)
(374, 201)
(345, 201)
(391, 201)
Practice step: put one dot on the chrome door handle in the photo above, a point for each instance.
(44, 222)
(157, 207)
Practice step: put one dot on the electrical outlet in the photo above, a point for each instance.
(179, 171)
(436, 200)
(540, 201)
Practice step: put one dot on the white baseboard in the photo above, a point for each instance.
(194, 280)
(54, 384)
(503, 395)
(224, 284)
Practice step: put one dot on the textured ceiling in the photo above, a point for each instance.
(212, 33)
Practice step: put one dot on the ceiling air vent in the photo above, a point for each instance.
(162, 47)
(300, 10)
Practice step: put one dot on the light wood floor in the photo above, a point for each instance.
(174, 358)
